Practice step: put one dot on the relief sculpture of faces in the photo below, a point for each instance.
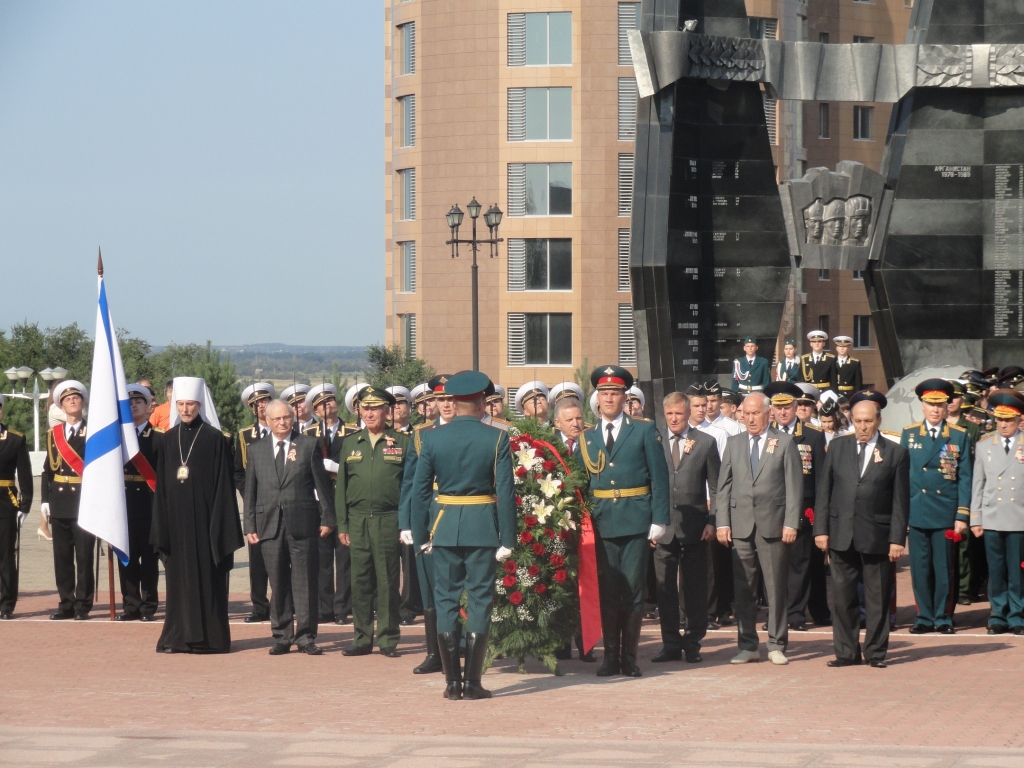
(835, 222)
(814, 226)
(858, 214)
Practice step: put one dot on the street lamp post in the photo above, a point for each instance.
(22, 374)
(492, 218)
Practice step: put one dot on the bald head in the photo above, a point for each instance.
(756, 407)
(280, 418)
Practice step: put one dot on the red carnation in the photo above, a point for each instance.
(516, 597)
(525, 537)
(511, 566)
(549, 533)
(521, 472)
(509, 580)
(533, 570)
(954, 536)
(530, 521)
(540, 589)
(549, 465)
(809, 514)
(538, 548)
(557, 561)
(560, 576)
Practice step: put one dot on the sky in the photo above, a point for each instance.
(227, 156)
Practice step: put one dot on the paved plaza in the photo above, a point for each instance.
(96, 694)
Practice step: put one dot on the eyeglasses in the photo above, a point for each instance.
(277, 419)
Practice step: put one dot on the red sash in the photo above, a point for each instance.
(145, 469)
(66, 451)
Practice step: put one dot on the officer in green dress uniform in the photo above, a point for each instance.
(849, 377)
(15, 502)
(629, 495)
(818, 367)
(366, 501)
(474, 525)
(256, 397)
(750, 373)
(788, 368)
(940, 497)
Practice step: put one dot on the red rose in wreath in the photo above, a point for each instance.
(509, 580)
(530, 521)
(533, 570)
(560, 576)
(540, 589)
(525, 537)
(516, 597)
(557, 561)
(519, 501)
(549, 533)
(521, 472)
(538, 548)
(548, 466)
(511, 566)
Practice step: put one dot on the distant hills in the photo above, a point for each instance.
(294, 361)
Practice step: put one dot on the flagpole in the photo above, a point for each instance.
(110, 550)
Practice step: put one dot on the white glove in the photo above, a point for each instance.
(331, 466)
(656, 532)
(21, 518)
(406, 537)
(502, 554)
(44, 510)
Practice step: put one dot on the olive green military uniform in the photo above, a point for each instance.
(366, 501)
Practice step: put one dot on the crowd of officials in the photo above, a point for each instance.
(746, 498)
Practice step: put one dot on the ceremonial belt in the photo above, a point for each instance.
(466, 500)
(146, 474)
(750, 388)
(621, 493)
(67, 479)
(134, 479)
(9, 485)
(846, 387)
(822, 385)
(6, 483)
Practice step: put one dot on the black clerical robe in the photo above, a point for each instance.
(196, 529)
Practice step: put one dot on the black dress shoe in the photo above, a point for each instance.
(256, 618)
(82, 616)
(798, 626)
(6, 616)
(329, 619)
(312, 649)
(712, 624)
(694, 657)
(823, 622)
(128, 617)
(1018, 631)
(61, 616)
(946, 629)
(667, 655)
(764, 627)
(362, 650)
(408, 621)
(843, 663)
(146, 617)
(589, 657)
(391, 653)
(727, 621)
(343, 621)
(964, 601)
(878, 664)
(921, 629)
(997, 629)
(564, 653)
(280, 649)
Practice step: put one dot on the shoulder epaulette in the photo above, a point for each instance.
(826, 354)
(158, 430)
(500, 421)
(225, 433)
(915, 425)
(808, 425)
(588, 426)
(954, 426)
(242, 431)
(983, 438)
(15, 432)
(854, 360)
(424, 425)
(887, 432)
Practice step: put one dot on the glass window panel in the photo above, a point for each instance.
(560, 26)
(536, 265)
(536, 339)
(560, 265)
(537, 39)
(536, 114)
(561, 189)
(537, 189)
(560, 339)
(560, 110)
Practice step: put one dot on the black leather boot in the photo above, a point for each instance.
(610, 665)
(630, 641)
(448, 647)
(432, 663)
(476, 654)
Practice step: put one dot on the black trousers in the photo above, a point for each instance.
(293, 566)
(74, 550)
(720, 581)
(411, 604)
(335, 590)
(691, 561)
(258, 581)
(807, 588)
(8, 562)
(140, 577)
(878, 573)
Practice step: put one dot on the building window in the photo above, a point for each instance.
(540, 114)
(539, 339)
(629, 18)
(823, 323)
(858, 274)
(627, 335)
(407, 121)
(623, 259)
(824, 131)
(407, 194)
(862, 123)
(407, 266)
(771, 118)
(549, 265)
(863, 39)
(824, 274)
(408, 323)
(862, 331)
(540, 189)
(539, 39)
(627, 108)
(823, 37)
(406, 49)
(763, 29)
(625, 184)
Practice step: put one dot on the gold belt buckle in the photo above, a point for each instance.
(616, 494)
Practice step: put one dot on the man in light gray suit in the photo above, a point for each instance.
(760, 490)
(997, 511)
(289, 504)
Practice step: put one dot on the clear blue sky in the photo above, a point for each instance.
(227, 156)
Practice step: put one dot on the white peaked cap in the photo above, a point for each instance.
(141, 391)
(400, 393)
(565, 389)
(353, 392)
(195, 389)
(635, 392)
(593, 405)
(72, 384)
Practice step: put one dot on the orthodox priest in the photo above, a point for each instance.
(195, 523)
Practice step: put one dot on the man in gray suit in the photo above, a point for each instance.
(997, 511)
(693, 465)
(289, 503)
(760, 489)
(861, 513)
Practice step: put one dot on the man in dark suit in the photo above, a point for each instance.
(861, 521)
(288, 506)
(693, 466)
(760, 490)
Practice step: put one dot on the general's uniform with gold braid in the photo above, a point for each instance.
(15, 495)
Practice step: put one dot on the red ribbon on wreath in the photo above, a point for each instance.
(586, 549)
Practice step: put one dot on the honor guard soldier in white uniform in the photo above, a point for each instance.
(532, 401)
(401, 410)
(295, 396)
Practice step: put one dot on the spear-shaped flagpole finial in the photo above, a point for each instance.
(99, 262)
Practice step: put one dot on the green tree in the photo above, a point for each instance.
(209, 364)
(582, 376)
(395, 366)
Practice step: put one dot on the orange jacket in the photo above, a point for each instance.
(161, 418)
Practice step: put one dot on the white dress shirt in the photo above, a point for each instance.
(928, 426)
(728, 425)
(720, 435)
(70, 430)
(762, 440)
(287, 444)
(787, 429)
(616, 426)
(867, 450)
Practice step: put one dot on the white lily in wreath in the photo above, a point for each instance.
(542, 512)
(526, 456)
(549, 486)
